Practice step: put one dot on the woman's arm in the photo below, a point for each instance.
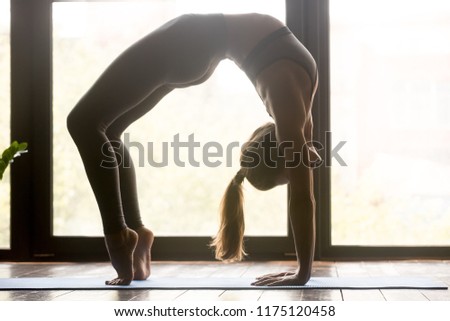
(286, 90)
(301, 209)
(302, 218)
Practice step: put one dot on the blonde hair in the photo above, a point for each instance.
(229, 241)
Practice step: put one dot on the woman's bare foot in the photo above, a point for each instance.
(142, 256)
(121, 247)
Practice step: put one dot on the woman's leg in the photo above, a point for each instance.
(114, 184)
(89, 134)
(128, 188)
(127, 176)
(131, 80)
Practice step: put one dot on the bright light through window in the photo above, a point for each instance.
(390, 96)
(5, 73)
(174, 200)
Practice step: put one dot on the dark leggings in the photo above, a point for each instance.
(108, 164)
(131, 86)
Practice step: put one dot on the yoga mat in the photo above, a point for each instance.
(82, 283)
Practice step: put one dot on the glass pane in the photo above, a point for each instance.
(226, 109)
(5, 73)
(390, 95)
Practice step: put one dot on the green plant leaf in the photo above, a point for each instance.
(22, 146)
(7, 155)
(14, 150)
(3, 166)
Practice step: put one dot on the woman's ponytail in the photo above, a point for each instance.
(229, 242)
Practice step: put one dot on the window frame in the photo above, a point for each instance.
(31, 178)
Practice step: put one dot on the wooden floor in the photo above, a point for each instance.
(439, 270)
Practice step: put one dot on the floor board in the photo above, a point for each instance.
(436, 269)
(362, 295)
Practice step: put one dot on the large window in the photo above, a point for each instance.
(384, 88)
(390, 94)
(175, 200)
(5, 63)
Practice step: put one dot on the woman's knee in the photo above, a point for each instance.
(75, 124)
(81, 125)
(114, 131)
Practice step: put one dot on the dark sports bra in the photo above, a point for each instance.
(280, 44)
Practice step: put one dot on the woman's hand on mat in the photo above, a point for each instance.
(283, 278)
(275, 275)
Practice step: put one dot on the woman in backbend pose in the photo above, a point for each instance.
(181, 53)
